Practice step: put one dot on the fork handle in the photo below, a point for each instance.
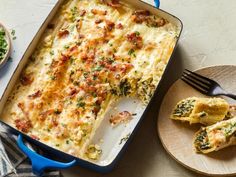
(230, 95)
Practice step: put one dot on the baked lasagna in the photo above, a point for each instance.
(93, 52)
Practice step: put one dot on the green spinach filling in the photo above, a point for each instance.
(184, 108)
(201, 142)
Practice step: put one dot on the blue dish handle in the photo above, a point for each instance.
(39, 163)
(157, 3)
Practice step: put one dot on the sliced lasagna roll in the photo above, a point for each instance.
(215, 137)
(201, 110)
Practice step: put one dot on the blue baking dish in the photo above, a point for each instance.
(113, 151)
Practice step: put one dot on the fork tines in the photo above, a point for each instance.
(200, 83)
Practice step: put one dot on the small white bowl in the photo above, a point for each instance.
(8, 39)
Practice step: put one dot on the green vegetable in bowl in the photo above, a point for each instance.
(3, 44)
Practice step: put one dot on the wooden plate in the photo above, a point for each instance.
(177, 137)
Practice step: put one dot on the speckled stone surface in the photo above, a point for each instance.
(209, 38)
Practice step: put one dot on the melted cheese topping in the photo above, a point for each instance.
(93, 53)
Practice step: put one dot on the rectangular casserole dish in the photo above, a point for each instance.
(114, 140)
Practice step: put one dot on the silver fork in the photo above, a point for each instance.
(204, 85)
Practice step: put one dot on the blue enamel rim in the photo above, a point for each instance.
(40, 163)
(157, 3)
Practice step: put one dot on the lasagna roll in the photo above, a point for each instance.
(215, 137)
(206, 111)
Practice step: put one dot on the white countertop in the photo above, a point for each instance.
(209, 38)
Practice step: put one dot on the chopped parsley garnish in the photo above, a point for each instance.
(111, 60)
(78, 43)
(95, 77)
(80, 103)
(13, 32)
(74, 11)
(94, 94)
(137, 33)
(72, 72)
(114, 50)
(76, 83)
(51, 52)
(85, 74)
(101, 58)
(97, 68)
(131, 52)
(57, 111)
(62, 124)
(66, 47)
(72, 59)
(53, 77)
